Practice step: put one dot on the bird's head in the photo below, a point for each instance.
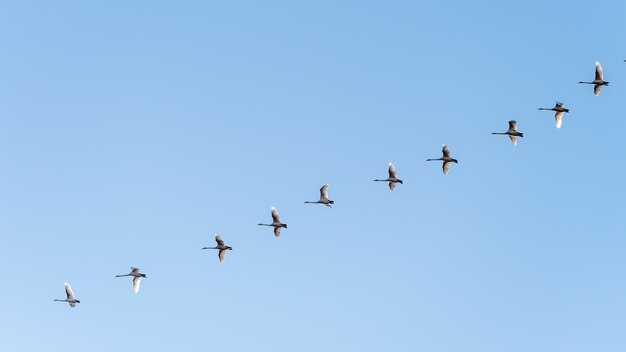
(331, 201)
(77, 301)
(229, 248)
(143, 275)
(455, 161)
(400, 181)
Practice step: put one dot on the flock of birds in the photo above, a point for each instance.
(393, 179)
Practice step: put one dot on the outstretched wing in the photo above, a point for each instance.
(392, 171)
(599, 75)
(596, 89)
(512, 125)
(324, 191)
(219, 241)
(277, 231)
(222, 254)
(134, 270)
(69, 292)
(136, 282)
(275, 216)
(446, 167)
(445, 151)
(392, 185)
(559, 119)
(513, 139)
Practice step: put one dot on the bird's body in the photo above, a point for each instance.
(276, 224)
(559, 109)
(323, 197)
(137, 275)
(221, 247)
(446, 158)
(599, 81)
(393, 177)
(71, 300)
(512, 132)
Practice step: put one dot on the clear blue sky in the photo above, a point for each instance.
(133, 131)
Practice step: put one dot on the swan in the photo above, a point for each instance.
(276, 224)
(137, 275)
(393, 177)
(71, 300)
(324, 197)
(446, 158)
(220, 245)
(558, 117)
(512, 132)
(599, 81)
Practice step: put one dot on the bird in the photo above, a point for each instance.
(446, 158)
(71, 300)
(558, 107)
(220, 245)
(599, 81)
(137, 275)
(393, 177)
(324, 197)
(276, 224)
(512, 132)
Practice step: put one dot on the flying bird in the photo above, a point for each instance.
(71, 300)
(137, 275)
(221, 246)
(558, 107)
(276, 224)
(393, 177)
(512, 132)
(324, 197)
(446, 158)
(599, 81)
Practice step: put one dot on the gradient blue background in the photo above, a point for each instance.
(133, 131)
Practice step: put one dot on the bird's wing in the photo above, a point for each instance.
(68, 291)
(277, 231)
(446, 167)
(392, 185)
(275, 216)
(72, 304)
(558, 104)
(392, 171)
(445, 151)
(599, 74)
(136, 282)
(512, 125)
(324, 191)
(219, 241)
(513, 139)
(596, 89)
(559, 118)
(222, 254)
(134, 270)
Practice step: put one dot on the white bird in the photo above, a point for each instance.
(70, 296)
(599, 81)
(446, 158)
(558, 117)
(222, 248)
(324, 197)
(137, 275)
(276, 224)
(393, 177)
(512, 132)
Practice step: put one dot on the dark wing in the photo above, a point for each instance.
(512, 125)
(445, 151)
(599, 75)
(392, 171)
(219, 241)
(277, 231)
(275, 216)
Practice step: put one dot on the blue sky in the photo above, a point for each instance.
(132, 132)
